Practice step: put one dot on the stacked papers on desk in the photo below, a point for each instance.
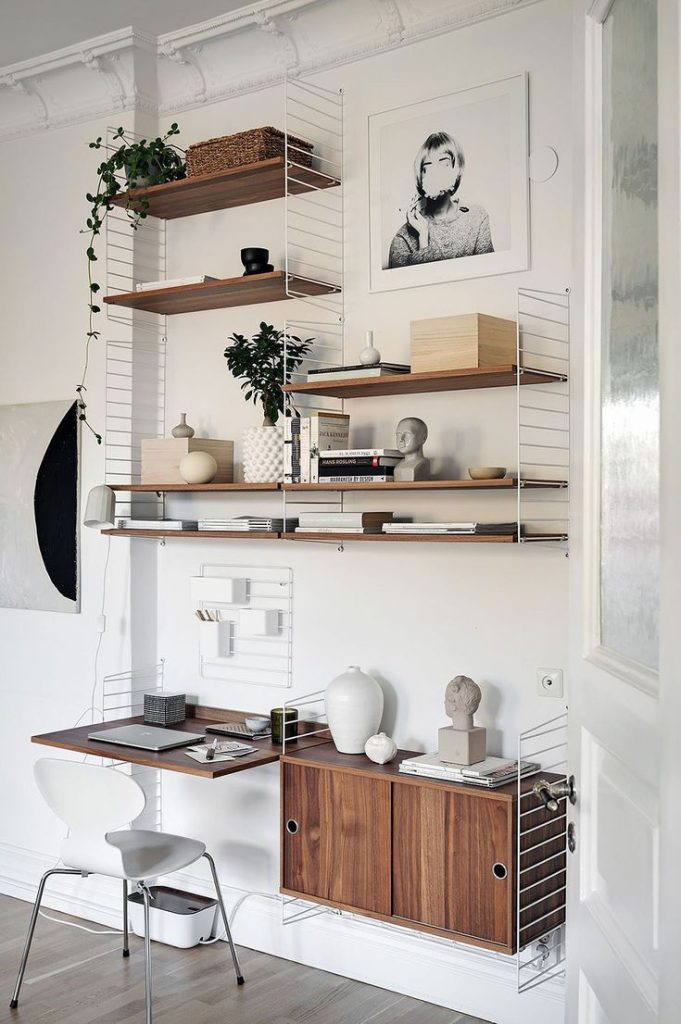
(229, 750)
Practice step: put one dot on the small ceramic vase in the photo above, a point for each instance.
(354, 706)
(198, 468)
(380, 748)
(183, 429)
(370, 356)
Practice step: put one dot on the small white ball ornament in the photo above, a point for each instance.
(198, 468)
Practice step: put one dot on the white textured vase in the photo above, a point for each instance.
(263, 455)
(380, 748)
(354, 706)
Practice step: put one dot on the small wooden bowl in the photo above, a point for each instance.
(486, 472)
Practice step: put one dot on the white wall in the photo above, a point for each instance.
(414, 615)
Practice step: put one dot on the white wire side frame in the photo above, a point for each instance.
(543, 416)
(311, 712)
(123, 697)
(314, 245)
(541, 860)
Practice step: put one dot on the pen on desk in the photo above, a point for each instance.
(210, 753)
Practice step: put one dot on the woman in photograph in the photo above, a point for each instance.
(438, 227)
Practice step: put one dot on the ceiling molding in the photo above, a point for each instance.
(228, 56)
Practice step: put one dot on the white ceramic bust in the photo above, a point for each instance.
(410, 436)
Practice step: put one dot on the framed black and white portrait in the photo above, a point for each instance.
(448, 186)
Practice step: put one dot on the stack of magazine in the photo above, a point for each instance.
(156, 524)
(342, 522)
(426, 529)
(175, 282)
(357, 370)
(248, 524)
(490, 773)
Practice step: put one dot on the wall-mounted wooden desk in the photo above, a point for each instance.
(198, 720)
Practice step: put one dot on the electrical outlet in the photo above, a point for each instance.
(550, 682)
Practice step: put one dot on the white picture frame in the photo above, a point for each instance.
(489, 123)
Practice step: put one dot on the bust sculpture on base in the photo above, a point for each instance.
(411, 435)
(462, 742)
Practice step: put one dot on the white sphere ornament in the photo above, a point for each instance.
(380, 748)
(198, 468)
(354, 706)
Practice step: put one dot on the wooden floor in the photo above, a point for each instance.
(79, 978)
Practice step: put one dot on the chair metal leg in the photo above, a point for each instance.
(126, 947)
(31, 928)
(237, 968)
(147, 955)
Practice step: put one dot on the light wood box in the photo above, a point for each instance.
(161, 458)
(462, 342)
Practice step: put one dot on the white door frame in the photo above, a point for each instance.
(669, 50)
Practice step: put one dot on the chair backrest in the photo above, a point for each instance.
(89, 798)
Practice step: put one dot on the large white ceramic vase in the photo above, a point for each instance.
(263, 455)
(354, 707)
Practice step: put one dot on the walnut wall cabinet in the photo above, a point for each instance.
(429, 855)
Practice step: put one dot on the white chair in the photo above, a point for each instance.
(93, 802)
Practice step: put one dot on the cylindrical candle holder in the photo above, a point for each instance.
(284, 718)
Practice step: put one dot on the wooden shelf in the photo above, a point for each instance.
(228, 291)
(506, 484)
(215, 534)
(424, 383)
(223, 190)
(195, 488)
(414, 538)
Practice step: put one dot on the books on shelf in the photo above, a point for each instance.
(361, 453)
(366, 478)
(358, 370)
(156, 524)
(248, 524)
(490, 773)
(306, 437)
(175, 282)
(351, 531)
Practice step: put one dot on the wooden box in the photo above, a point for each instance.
(161, 458)
(462, 342)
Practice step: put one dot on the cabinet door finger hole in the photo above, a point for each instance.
(292, 826)
(499, 870)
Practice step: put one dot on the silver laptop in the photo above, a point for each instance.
(147, 737)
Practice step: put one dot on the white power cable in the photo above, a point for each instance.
(235, 910)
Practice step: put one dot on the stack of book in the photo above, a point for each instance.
(358, 466)
(490, 773)
(248, 524)
(425, 529)
(358, 370)
(156, 524)
(342, 522)
(306, 437)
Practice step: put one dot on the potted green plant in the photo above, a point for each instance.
(142, 163)
(263, 364)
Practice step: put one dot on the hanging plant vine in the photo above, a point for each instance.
(144, 163)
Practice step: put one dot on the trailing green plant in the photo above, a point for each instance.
(144, 162)
(259, 363)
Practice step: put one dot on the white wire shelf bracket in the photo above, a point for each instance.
(543, 414)
(542, 859)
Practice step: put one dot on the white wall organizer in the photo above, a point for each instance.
(249, 639)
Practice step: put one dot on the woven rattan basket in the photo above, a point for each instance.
(244, 148)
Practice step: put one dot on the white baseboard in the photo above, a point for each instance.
(448, 974)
